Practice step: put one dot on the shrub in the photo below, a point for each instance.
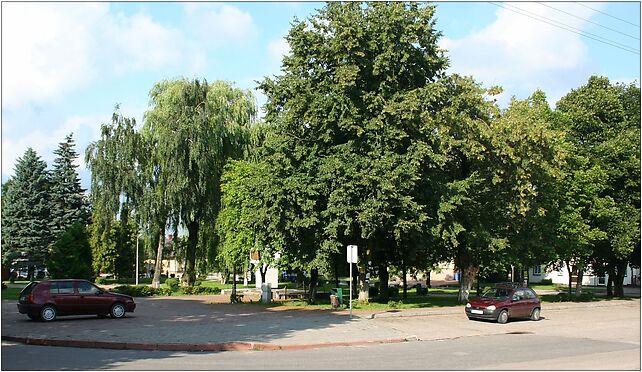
(393, 292)
(196, 290)
(584, 297)
(546, 281)
(172, 284)
(141, 291)
(100, 280)
(373, 291)
(421, 290)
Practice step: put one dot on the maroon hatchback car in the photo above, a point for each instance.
(503, 302)
(50, 298)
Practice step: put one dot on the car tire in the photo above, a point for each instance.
(502, 318)
(117, 310)
(535, 314)
(48, 313)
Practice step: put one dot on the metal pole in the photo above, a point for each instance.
(136, 259)
(350, 285)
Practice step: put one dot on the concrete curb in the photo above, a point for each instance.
(224, 346)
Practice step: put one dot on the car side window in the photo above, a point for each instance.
(53, 288)
(530, 294)
(85, 288)
(66, 287)
(518, 295)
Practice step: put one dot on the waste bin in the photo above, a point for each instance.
(266, 293)
(334, 301)
(339, 293)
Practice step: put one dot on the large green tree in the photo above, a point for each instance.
(116, 161)
(25, 213)
(68, 202)
(193, 127)
(604, 125)
(350, 111)
(71, 255)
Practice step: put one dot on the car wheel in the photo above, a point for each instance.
(535, 314)
(502, 318)
(48, 313)
(118, 310)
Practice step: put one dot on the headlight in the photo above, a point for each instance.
(491, 307)
(468, 304)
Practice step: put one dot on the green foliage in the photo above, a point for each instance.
(141, 291)
(25, 211)
(68, 202)
(70, 255)
(100, 280)
(172, 284)
(193, 128)
(113, 250)
(199, 290)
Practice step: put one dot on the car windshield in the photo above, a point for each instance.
(497, 293)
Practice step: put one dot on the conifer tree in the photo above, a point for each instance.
(71, 254)
(25, 212)
(68, 201)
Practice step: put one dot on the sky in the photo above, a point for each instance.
(65, 66)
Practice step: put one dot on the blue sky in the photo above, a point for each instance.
(65, 65)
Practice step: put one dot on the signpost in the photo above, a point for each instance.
(352, 258)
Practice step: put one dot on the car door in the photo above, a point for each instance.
(533, 301)
(64, 296)
(519, 304)
(90, 300)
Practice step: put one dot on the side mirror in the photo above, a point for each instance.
(98, 293)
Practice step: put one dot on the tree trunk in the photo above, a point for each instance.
(570, 280)
(364, 286)
(312, 292)
(428, 285)
(158, 266)
(580, 277)
(478, 285)
(404, 281)
(30, 272)
(190, 265)
(383, 281)
(233, 295)
(609, 283)
(263, 271)
(618, 280)
(467, 275)
(336, 274)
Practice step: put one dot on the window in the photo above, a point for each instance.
(601, 280)
(85, 288)
(537, 270)
(61, 288)
(529, 294)
(519, 295)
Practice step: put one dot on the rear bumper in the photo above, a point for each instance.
(28, 308)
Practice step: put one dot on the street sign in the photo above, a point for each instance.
(352, 255)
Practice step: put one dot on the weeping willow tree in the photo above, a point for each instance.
(192, 128)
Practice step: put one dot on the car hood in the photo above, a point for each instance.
(120, 295)
(483, 302)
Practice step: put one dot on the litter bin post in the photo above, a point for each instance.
(266, 293)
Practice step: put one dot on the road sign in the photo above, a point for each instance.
(352, 255)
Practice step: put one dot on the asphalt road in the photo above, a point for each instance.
(570, 339)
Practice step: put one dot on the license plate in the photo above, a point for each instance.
(476, 311)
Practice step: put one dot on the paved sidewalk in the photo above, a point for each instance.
(194, 323)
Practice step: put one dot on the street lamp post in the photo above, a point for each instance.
(137, 259)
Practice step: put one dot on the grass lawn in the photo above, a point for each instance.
(11, 293)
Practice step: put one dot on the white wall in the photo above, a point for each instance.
(561, 276)
(271, 276)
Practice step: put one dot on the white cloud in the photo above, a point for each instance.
(84, 129)
(519, 52)
(52, 49)
(219, 24)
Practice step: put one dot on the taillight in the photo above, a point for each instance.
(30, 297)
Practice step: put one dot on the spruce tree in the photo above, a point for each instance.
(25, 212)
(69, 204)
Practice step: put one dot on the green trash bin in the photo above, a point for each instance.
(339, 293)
